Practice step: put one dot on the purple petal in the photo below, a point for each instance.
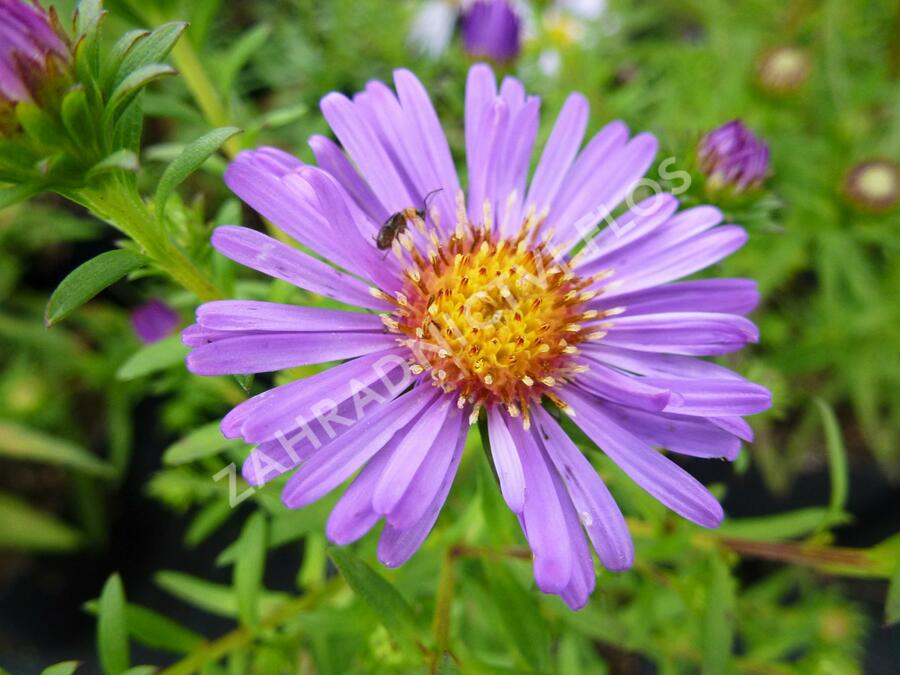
(278, 260)
(276, 351)
(622, 388)
(662, 478)
(582, 578)
(680, 260)
(684, 434)
(690, 333)
(410, 454)
(340, 458)
(423, 488)
(561, 148)
(506, 461)
(154, 320)
(360, 382)
(249, 315)
(728, 296)
(714, 398)
(648, 363)
(353, 515)
(596, 508)
(332, 159)
(543, 518)
(396, 546)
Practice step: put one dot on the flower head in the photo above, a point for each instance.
(874, 185)
(33, 51)
(153, 321)
(491, 29)
(733, 157)
(498, 300)
(783, 69)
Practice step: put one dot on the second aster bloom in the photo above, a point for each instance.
(491, 29)
(485, 301)
(32, 51)
(733, 157)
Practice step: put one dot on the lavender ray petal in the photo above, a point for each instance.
(506, 461)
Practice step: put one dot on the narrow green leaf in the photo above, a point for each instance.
(718, 631)
(112, 628)
(27, 529)
(39, 125)
(16, 194)
(77, 117)
(22, 443)
(88, 279)
(150, 49)
(518, 615)
(837, 458)
(207, 521)
(202, 442)
(128, 88)
(154, 630)
(154, 357)
(249, 568)
(113, 58)
(190, 159)
(123, 160)
(141, 670)
(248, 44)
(64, 668)
(213, 598)
(390, 608)
(892, 602)
(788, 525)
(87, 14)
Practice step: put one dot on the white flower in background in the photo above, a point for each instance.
(432, 27)
(589, 10)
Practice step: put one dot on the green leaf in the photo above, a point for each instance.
(121, 160)
(207, 521)
(127, 89)
(190, 159)
(390, 608)
(837, 458)
(518, 613)
(240, 52)
(113, 58)
(22, 443)
(213, 598)
(892, 602)
(88, 279)
(150, 49)
(788, 525)
(141, 670)
(64, 668)
(26, 529)
(87, 14)
(16, 194)
(112, 628)
(718, 631)
(77, 117)
(249, 568)
(154, 630)
(202, 442)
(39, 125)
(154, 357)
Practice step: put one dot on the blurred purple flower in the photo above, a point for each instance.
(484, 306)
(153, 321)
(491, 29)
(31, 47)
(733, 157)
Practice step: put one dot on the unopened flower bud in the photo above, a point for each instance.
(492, 29)
(873, 185)
(783, 69)
(733, 157)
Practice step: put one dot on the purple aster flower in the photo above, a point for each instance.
(31, 45)
(154, 320)
(733, 156)
(482, 301)
(491, 29)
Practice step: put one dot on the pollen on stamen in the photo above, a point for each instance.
(495, 319)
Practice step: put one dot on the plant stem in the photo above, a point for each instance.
(118, 203)
(202, 89)
(441, 627)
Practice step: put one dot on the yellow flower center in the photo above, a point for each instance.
(497, 320)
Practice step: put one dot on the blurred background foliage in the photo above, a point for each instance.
(108, 448)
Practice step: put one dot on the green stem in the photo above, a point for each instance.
(203, 90)
(441, 627)
(119, 204)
